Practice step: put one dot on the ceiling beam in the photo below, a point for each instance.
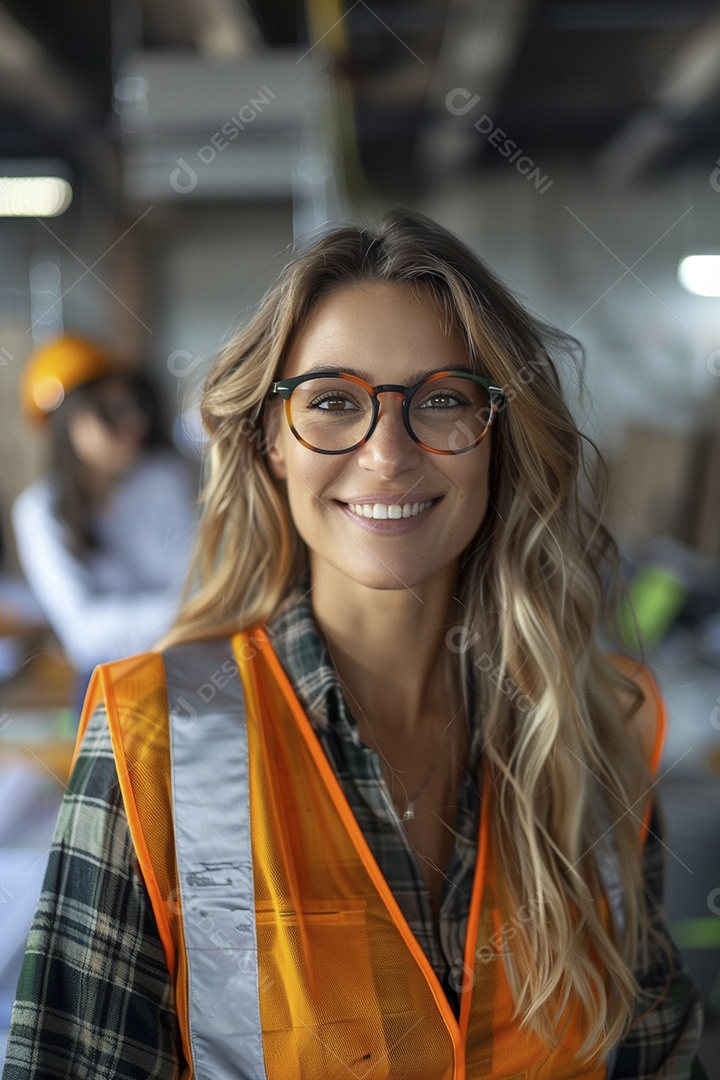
(690, 80)
(216, 28)
(479, 50)
(31, 79)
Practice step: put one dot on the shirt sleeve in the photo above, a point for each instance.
(156, 509)
(93, 626)
(663, 1038)
(94, 1000)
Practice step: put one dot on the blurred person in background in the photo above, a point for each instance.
(104, 538)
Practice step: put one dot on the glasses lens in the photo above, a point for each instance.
(331, 413)
(450, 413)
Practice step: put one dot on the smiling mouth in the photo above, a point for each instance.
(394, 511)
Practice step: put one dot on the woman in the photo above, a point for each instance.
(104, 538)
(399, 825)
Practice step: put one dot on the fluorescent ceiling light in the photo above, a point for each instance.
(34, 196)
(700, 274)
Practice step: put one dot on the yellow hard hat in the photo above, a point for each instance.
(58, 367)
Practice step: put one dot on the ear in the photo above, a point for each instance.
(276, 462)
(275, 455)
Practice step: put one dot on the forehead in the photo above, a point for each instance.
(378, 331)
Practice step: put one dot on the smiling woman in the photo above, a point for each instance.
(381, 329)
(381, 804)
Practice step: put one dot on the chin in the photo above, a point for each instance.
(386, 578)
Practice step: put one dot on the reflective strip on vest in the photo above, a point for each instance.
(211, 806)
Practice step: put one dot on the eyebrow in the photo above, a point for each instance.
(362, 373)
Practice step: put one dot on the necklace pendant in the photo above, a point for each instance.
(409, 812)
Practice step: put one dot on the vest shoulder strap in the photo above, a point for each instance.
(650, 720)
(133, 694)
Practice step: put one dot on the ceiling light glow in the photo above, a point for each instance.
(700, 274)
(34, 196)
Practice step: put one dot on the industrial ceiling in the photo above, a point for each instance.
(629, 87)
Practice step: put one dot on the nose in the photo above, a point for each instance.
(389, 451)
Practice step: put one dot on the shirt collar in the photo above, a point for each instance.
(301, 650)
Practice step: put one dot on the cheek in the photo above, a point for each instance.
(308, 480)
(476, 488)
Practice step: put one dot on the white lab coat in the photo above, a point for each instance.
(117, 599)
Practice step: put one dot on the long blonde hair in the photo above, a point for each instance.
(556, 749)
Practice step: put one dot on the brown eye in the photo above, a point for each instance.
(333, 403)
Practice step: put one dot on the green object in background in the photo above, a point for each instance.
(66, 723)
(700, 933)
(656, 596)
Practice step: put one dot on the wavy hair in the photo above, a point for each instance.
(558, 756)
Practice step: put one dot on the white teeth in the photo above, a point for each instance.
(381, 511)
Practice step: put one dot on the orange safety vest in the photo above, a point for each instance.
(288, 953)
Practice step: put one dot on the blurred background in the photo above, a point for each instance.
(158, 158)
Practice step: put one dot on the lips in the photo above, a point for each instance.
(380, 511)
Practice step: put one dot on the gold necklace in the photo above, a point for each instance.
(410, 804)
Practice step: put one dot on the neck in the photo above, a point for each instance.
(388, 647)
(98, 486)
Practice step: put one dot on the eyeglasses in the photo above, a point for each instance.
(448, 412)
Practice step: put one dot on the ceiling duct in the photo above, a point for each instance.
(225, 128)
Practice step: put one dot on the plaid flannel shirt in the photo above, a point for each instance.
(94, 1000)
